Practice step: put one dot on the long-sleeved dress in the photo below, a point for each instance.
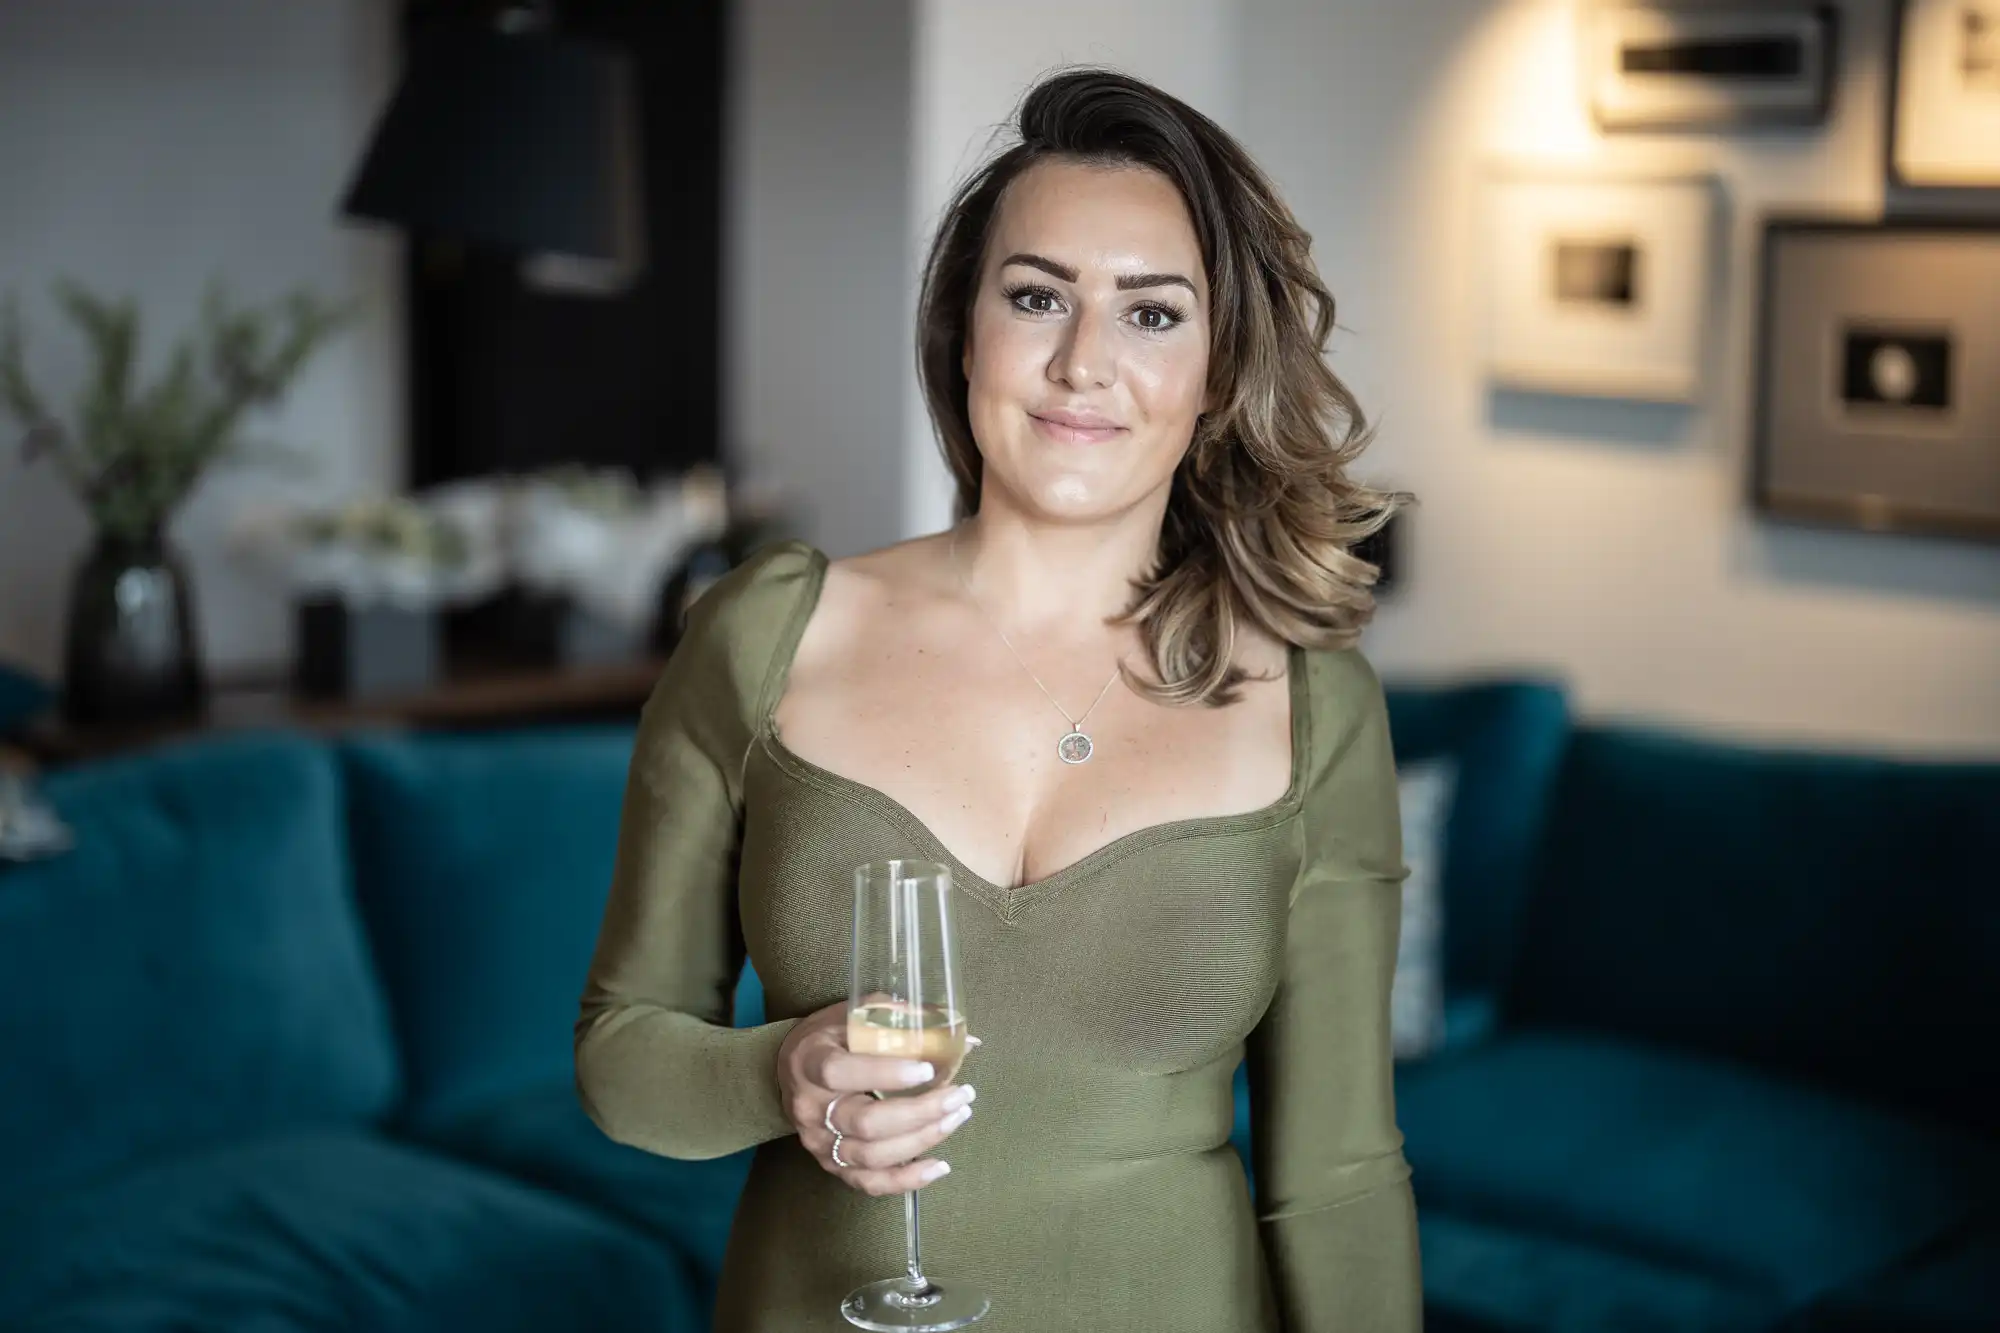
(1094, 1187)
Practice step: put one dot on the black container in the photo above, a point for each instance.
(529, 630)
(131, 655)
(370, 652)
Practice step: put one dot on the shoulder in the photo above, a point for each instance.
(861, 596)
(749, 614)
(906, 569)
(1351, 799)
(1348, 709)
(738, 633)
(766, 590)
(1341, 677)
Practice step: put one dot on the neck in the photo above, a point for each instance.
(1060, 580)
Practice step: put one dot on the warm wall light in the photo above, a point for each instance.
(514, 137)
(1534, 113)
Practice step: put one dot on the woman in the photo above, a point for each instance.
(1118, 699)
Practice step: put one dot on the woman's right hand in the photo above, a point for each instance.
(883, 1141)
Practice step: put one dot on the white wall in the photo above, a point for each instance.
(975, 60)
(816, 273)
(143, 148)
(1608, 543)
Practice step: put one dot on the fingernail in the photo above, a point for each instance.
(955, 1119)
(935, 1170)
(957, 1097)
(973, 1041)
(918, 1073)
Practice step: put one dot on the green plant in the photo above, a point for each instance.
(136, 451)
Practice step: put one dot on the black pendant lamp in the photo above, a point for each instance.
(513, 137)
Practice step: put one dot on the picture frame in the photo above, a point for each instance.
(1944, 95)
(1679, 66)
(1599, 285)
(1877, 402)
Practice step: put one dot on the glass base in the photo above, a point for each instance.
(890, 1307)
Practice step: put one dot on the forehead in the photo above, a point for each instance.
(1113, 219)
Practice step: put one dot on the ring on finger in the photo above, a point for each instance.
(834, 1155)
(827, 1119)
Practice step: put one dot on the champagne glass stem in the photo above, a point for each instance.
(918, 1282)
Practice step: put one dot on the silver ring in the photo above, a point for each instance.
(838, 1137)
(827, 1119)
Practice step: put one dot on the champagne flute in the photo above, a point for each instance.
(904, 1000)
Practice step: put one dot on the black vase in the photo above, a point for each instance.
(131, 656)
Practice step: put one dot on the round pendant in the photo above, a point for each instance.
(1074, 748)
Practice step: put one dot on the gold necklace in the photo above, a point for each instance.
(1075, 747)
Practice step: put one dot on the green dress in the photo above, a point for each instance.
(1095, 1187)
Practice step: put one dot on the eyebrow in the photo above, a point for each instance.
(1127, 282)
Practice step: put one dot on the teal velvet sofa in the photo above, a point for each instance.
(1742, 1014)
(287, 1041)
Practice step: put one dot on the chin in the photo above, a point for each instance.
(1073, 500)
(1077, 500)
(1103, 488)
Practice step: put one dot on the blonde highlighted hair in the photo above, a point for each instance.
(1263, 519)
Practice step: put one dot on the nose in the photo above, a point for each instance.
(1084, 359)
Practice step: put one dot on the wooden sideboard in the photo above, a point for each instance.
(469, 699)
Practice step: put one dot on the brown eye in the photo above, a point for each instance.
(1033, 300)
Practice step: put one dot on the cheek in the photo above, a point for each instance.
(1005, 352)
(1168, 380)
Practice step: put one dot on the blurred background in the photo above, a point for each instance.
(794, 159)
(388, 377)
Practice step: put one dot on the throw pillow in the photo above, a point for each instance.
(1417, 998)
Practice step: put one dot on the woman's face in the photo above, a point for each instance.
(1086, 354)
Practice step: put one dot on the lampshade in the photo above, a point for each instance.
(525, 141)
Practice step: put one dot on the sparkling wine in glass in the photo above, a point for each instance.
(905, 1000)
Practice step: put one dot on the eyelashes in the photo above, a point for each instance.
(1018, 294)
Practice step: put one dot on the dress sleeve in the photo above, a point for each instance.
(658, 1065)
(1335, 1207)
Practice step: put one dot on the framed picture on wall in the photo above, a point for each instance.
(1599, 286)
(1944, 129)
(1704, 66)
(1878, 382)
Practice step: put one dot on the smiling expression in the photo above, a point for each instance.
(1086, 355)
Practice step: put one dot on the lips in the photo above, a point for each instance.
(1075, 427)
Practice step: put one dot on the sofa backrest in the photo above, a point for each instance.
(1505, 740)
(192, 972)
(1834, 916)
(483, 863)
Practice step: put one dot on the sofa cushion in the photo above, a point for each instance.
(1951, 1287)
(1688, 1162)
(330, 1230)
(542, 1136)
(1505, 740)
(22, 697)
(483, 865)
(193, 971)
(1482, 1277)
(1831, 916)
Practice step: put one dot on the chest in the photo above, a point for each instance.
(1156, 955)
(968, 743)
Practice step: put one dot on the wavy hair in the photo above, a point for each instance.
(1263, 520)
